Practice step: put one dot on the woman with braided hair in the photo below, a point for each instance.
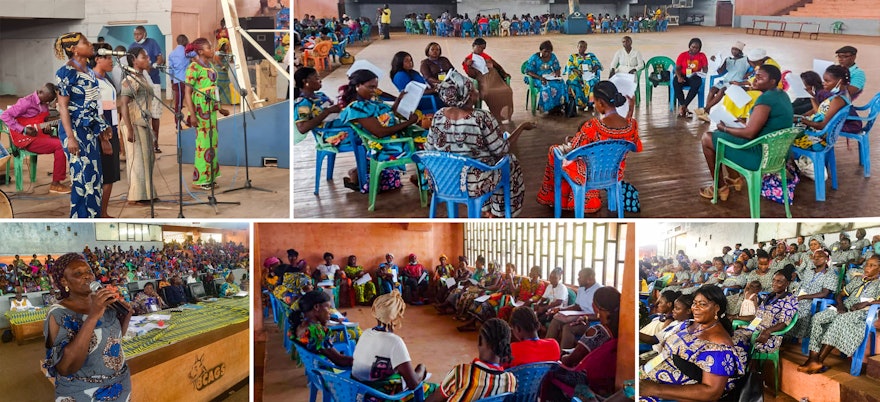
(485, 376)
(381, 359)
(84, 337)
(308, 323)
(81, 123)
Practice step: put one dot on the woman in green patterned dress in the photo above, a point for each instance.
(203, 110)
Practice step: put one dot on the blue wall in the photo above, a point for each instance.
(124, 35)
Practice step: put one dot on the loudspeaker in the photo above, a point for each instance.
(265, 39)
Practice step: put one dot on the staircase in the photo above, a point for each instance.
(834, 385)
(839, 9)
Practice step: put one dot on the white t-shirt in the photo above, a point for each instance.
(16, 305)
(584, 297)
(559, 293)
(377, 354)
(328, 270)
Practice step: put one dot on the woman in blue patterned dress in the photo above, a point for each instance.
(580, 90)
(84, 337)
(378, 119)
(698, 362)
(81, 123)
(541, 66)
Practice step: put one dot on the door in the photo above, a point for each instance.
(724, 14)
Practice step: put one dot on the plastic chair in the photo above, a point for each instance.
(870, 335)
(339, 50)
(346, 345)
(773, 356)
(730, 291)
(504, 29)
(320, 55)
(341, 388)
(598, 380)
(532, 90)
(825, 157)
(528, 380)
(816, 306)
(312, 363)
(496, 398)
(665, 64)
(603, 160)
(376, 167)
(447, 171)
(837, 27)
(19, 156)
(352, 143)
(701, 94)
(864, 137)
(775, 148)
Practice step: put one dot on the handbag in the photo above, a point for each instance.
(805, 165)
(771, 185)
(630, 197)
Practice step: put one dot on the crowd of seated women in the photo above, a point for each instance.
(708, 318)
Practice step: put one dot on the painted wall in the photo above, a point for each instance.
(762, 7)
(43, 9)
(318, 8)
(29, 238)
(368, 241)
(868, 27)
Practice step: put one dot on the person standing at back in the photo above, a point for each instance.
(177, 64)
(385, 20)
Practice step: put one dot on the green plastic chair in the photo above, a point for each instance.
(664, 63)
(376, 167)
(837, 27)
(532, 92)
(775, 148)
(18, 155)
(773, 356)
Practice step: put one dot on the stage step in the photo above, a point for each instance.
(834, 385)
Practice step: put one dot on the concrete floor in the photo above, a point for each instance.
(35, 201)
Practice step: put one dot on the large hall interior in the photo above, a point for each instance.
(560, 252)
(670, 170)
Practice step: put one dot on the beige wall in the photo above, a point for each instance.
(318, 8)
(761, 7)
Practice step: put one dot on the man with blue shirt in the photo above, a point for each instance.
(571, 322)
(177, 64)
(156, 59)
(846, 57)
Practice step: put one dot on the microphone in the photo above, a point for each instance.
(159, 66)
(116, 305)
(105, 52)
(130, 69)
(224, 54)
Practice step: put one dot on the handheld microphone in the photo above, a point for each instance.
(116, 305)
(105, 52)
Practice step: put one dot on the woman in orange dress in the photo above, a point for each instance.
(608, 126)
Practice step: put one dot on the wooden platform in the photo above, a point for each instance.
(668, 173)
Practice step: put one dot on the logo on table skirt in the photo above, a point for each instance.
(202, 376)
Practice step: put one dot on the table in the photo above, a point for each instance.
(27, 324)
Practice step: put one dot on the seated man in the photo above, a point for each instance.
(175, 293)
(566, 329)
(21, 118)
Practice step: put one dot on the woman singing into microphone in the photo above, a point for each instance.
(135, 100)
(203, 105)
(81, 123)
(84, 337)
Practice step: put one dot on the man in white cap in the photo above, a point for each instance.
(733, 69)
(758, 57)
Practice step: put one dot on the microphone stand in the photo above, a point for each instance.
(144, 115)
(212, 200)
(246, 107)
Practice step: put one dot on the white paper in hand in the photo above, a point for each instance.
(588, 75)
(364, 279)
(482, 299)
(626, 85)
(738, 95)
(450, 282)
(820, 65)
(551, 77)
(796, 88)
(720, 114)
(479, 64)
(365, 65)
(410, 100)
(714, 65)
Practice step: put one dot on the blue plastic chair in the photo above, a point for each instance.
(352, 143)
(825, 157)
(528, 380)
(701, 94)
(730, 291)
(603, 160)
(870, 333)
(817, 306)
(448, 171)
(496, 398)
(312, 363)
(274, 305)
(341, 388)
(864, 137)
(338, 50)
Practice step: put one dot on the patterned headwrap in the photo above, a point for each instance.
(271, 261)
(389, 308)
(818, 239)
(57, 271)
(455, 90)
(413, 256)
(65, 43)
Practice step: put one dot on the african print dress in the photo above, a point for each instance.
(86, 120)
(309, 107)
(363, 292)
(204, 79)
(580, 90)
(710, 357)
(592, 131)
(479, 136)
(811, 282)
(552, 94)
(104, 376)
(845, 331)
(771, 312)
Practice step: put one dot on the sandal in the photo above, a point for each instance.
(737, 183)
(686, 115)
(708, 192)
(349, 184)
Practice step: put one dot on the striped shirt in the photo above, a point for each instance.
(470, 382)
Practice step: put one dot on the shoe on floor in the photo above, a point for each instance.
(157, 151)
(59, 188)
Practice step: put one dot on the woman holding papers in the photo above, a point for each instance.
(771, 112)
(434, 67)
(544, 70)
(836, 81)
(688, 65)
(402, 73)
(843, 327)
(493, 81)
(583, 74)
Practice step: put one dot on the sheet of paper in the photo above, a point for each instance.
(518, 303)
(572, 313)
(472, 281)
(479, 64)
(820, 65)
(551, 77)
(625, 83)
(240, 294)
(720, 114)
(410, 100)
(588, 75)
(423, 277)
(714, 65)
(364, 279)
(366, 65)
(796, 88)
(328, 284)
(450, 282)
(738, 95)
(137, 319)
(157, 317)
(481, 298)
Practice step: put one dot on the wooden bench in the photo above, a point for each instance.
(764, 26)
(809, 27)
